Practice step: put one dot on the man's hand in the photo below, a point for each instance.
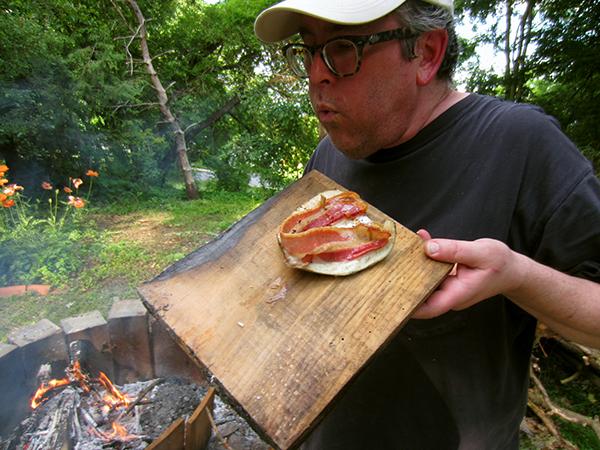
(484, 268)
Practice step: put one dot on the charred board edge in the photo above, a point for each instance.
(214, 249)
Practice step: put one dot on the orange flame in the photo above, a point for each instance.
(119, 432)
(113, 397)
(38, 397)
(76, 374)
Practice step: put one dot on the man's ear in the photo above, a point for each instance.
(431, 47)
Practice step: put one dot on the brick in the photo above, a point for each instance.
(130, 339)
(41, 343)
(14, 392)
(89, 333)
(169, 358)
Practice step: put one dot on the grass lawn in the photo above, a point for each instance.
(124, 245)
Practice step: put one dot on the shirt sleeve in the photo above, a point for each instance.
(571, 237)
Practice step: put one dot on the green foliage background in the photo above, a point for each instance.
(74, 96)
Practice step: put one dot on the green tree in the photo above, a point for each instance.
(70, 101)
(550, 49)
(567, 82)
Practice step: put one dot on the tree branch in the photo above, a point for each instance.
(129, 55)
(137, 105)
(195, 128)
(566, 414)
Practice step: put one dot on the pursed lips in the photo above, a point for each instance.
(325, 112)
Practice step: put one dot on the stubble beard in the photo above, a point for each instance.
(350, 142)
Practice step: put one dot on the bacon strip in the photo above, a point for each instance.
(331, 239)
(347, 254)
(306, 242)
(345, 205)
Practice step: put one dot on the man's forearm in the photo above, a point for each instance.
(567, 304)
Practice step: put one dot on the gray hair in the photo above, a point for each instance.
(420, 17)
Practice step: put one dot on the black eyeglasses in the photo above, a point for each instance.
(342, 55)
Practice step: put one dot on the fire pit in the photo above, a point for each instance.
(81, 412)
(115, 383)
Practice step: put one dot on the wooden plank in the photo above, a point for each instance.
(198, 428)
(172, 438)
(282, 362)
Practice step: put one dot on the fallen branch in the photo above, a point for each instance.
(587, 356)
(140, 397)
(566, 414)
(547, 421)
(216, 431)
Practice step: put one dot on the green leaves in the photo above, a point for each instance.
(552, 49)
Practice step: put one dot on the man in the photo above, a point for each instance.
(517, 204)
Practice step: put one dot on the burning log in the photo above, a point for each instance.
(87, 413)
(50, 431)
(141, 396)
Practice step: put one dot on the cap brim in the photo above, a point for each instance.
(282, 20)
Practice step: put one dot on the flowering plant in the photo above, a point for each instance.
(35, 243)
(21, 214)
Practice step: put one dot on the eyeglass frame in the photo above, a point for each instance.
(359, 42)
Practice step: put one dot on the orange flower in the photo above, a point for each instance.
(68, 190)
(47, 186)
(3, 181)
(77, 182)
(3, 168)
(3, 197)
(92, 173)
(76, 202)
(8, 203)
(11, 189)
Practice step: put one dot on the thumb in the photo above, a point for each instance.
(453, 251)
(469, 253)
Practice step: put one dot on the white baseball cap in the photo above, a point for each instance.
(280, 21)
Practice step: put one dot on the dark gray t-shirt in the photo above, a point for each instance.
(484, 168)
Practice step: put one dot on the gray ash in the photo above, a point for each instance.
(169, 401)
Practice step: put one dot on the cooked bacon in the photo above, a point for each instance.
(347, 254)
(307, 241)
(335, 242)
(311, 235)
(329, 211)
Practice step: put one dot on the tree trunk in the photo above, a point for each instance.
(515, 51)
(180, 142)
(507, 64)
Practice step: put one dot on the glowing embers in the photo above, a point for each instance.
(90, 409)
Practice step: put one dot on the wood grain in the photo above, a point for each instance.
(281, 343)
(172, 438)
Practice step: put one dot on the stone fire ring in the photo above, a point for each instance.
(128, 346)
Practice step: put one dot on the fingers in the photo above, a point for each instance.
(424, 234)
(452, 294)
(469, 253)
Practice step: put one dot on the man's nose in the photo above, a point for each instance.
(319, 72)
